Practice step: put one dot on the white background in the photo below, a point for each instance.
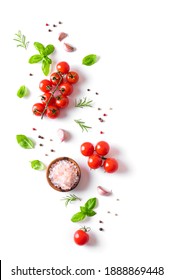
(134, 75)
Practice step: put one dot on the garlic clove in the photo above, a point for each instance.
(62, 36)
(69, 48)
(103, 191)
(61, 134)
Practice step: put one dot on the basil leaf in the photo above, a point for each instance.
(48, 50)
(45, 67)
(35, 58)
(48, 59)
(37, 165)
(90, 204)
(24, 141)
(22, 91)
(83, 209)
(90, 213)
(78, 217)
(39, 47)
(89, 59)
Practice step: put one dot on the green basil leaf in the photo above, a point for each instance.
(91, 203)
(83, 209)
(89, 59)
(22, 91)
(78, 217)
(48, 50)
(90, 213)
(45, 67)
(39, 47)
(24, 141)
(48, 59)
(35, 58)
(37, 165)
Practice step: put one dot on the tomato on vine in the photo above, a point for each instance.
(52, 112)
(102, 148)
(87, 149)
(65, 88)
(63, 67)
(45, 85)
(94, 161)
(110, 165)
(61, 101)
(38, 109)
(72, 77)
(48, 98)
(81, 236)
(55, 78)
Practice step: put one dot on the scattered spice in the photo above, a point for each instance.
(30, 74)
(108, 212)
(49, 30)
(52, 150)
(101, 132)
(116, 214)
(99, 109)
(47, 24)
(41, 145)
(51, 139)
(104, 115)
(34, 128)
(60, 22)
(88, 89)
(97, 93)
(110, 108)
(54, 25)
(100, 222)
(46, 155)
(101, 229)
(101, 120)
(41, 137)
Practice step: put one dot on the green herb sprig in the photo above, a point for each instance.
(90, 59)
(37, 165)
(86, 210)
(21, 39)
(83, 102)
(22, 91)
(70, 198)
(24, 141)
(42, 56)
(82, 124)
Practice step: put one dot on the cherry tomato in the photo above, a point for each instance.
(81, 237)
(94, 161)
(52, 112)
(63, 67)
(55, 78)
(110, 165)
(65, 88)
(45, 85)
(102, 148)
(62, 101)
(46, 97)
(72, 77)
(87, 149)
(38, 109)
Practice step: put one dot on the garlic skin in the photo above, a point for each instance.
(68, 48)
(103, 191)
(61, 134)
(62, 36)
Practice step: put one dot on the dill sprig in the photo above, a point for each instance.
(70, 198)
(21, 39)
(82, 125)
(81, 103)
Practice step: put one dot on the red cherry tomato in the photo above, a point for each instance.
(52, 112)
(102, 148)
(110, 165)
(94, 161)
(72, 77)
(63, 67)
(38, 109)
(45, 85)
(81, 237)
(62, 101)
(87, 149)
(46, 97)
(55, 78)
(65, 88)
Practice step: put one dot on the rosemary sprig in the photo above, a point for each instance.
(21, 39)
(70, 198)
(83, 103)
(82, 125)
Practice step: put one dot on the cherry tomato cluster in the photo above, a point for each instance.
(96, 156)
(56, 91)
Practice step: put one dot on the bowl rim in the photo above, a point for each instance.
(59, 159)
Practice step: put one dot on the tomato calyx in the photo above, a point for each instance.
(85, 229)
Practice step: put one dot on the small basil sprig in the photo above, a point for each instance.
(89, 59)
(42, 56)
(24, 141)
(86, 210)
(37, 164)
(22, 91)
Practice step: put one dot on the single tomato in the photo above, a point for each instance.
(52, 112)
(38, 109)
(63, 67)
(56, 78)
(87, 149)
(110, 165)
(65, 88)
(102, 148)
(81, 237)
(94, 161)
(47, 97)
(45, 85)
(62, 101)
(72, 77)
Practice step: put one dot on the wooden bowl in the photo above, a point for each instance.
(63, 174)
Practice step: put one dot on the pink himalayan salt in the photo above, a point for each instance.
(64, 174)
